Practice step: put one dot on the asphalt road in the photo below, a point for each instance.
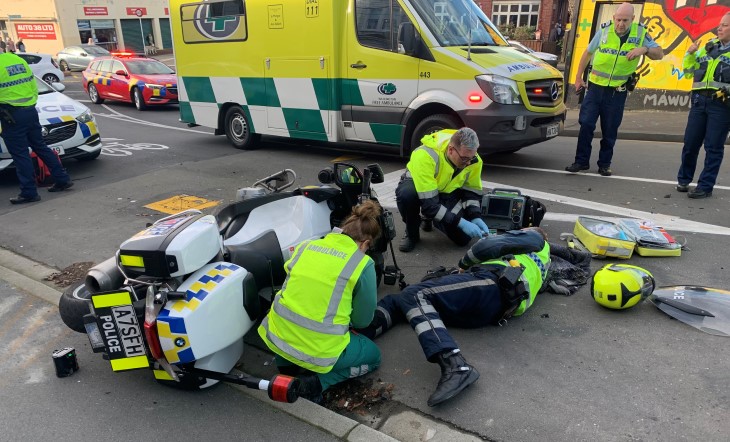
(567, 370)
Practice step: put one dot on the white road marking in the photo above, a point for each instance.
(120, 116)
(386, 196)
(612, 177)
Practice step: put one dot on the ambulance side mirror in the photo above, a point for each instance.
(407, 38)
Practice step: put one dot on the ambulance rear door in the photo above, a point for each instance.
(382, 80)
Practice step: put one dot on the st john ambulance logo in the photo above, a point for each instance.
(215, 27)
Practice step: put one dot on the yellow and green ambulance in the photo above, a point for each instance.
(383, 72)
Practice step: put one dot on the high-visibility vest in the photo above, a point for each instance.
(17, 83)
(707, 63)
(535, 272)
(432, 173)
(308, 323)
(610, 65)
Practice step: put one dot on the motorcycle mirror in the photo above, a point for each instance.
(376, 173)
(347, 175)
(326, 176)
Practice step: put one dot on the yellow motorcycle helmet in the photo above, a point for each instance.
(621, 286)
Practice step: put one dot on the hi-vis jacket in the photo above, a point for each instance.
(610, 65)
(433, 174)
(17, 83)
(530, 250)
(308, 323)
(710, 65)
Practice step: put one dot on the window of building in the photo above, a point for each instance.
(518, 13)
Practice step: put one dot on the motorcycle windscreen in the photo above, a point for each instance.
(706, 309)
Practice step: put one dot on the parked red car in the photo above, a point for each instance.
(129, 77)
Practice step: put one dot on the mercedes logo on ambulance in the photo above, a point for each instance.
(44, 131)
(554, 92)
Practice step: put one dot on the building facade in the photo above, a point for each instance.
(542, 14)
(47, 26)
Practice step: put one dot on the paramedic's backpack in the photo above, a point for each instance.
(534, 212)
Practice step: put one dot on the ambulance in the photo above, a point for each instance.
(381, 72)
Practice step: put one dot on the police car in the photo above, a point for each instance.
(130, 77)
(69, 128)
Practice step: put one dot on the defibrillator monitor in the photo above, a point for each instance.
(503, 209)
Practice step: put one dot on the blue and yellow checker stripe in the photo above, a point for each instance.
(104, 80)
(171, 327)
(87, 129)
(161, 92)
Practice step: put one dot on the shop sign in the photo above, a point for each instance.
(36, 31)
(137, 12)
(96, 10)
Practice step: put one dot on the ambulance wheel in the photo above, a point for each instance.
(238, 129)
(138, 99)
(73, 305)
(431, 124)
(94, 94)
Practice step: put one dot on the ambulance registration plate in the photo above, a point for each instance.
(120, 331)
(552, 130)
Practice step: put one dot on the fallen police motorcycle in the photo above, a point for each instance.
(180, 295)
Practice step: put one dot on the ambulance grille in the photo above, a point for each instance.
(544, 93)
(58, 132)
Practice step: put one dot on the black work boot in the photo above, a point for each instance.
(310, 388)
(456, 375)
(409, 242)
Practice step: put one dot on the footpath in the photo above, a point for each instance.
(637, 125)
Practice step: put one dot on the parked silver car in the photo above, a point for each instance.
(76, 58)
(548, 58)
(42, 66)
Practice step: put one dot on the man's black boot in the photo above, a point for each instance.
(456, 375)
(310, 388)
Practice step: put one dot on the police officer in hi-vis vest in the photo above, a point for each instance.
(709, 117)
(330, 285)
(503, 275)
(21, 128)
(443, 182)
(616, 50)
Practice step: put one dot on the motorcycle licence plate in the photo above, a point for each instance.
(120, 331)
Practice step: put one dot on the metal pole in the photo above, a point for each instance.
(141, 30)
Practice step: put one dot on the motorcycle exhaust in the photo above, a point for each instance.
(104, 277)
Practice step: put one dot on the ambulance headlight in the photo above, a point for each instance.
(85, 117)
(499, 89)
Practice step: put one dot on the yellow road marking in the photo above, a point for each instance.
(179, 203)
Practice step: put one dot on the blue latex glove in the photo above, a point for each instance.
(482, 225)
(470, 228)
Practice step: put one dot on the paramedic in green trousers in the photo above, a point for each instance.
(330, 286)
(21, 129)
(616, 50)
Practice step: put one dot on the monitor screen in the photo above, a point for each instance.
(499, 207)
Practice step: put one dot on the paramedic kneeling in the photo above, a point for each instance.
(443, 181)
(330, 284)
(504, 274)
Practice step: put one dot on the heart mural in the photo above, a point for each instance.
(696, 17)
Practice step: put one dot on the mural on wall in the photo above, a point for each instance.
(674, 24)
